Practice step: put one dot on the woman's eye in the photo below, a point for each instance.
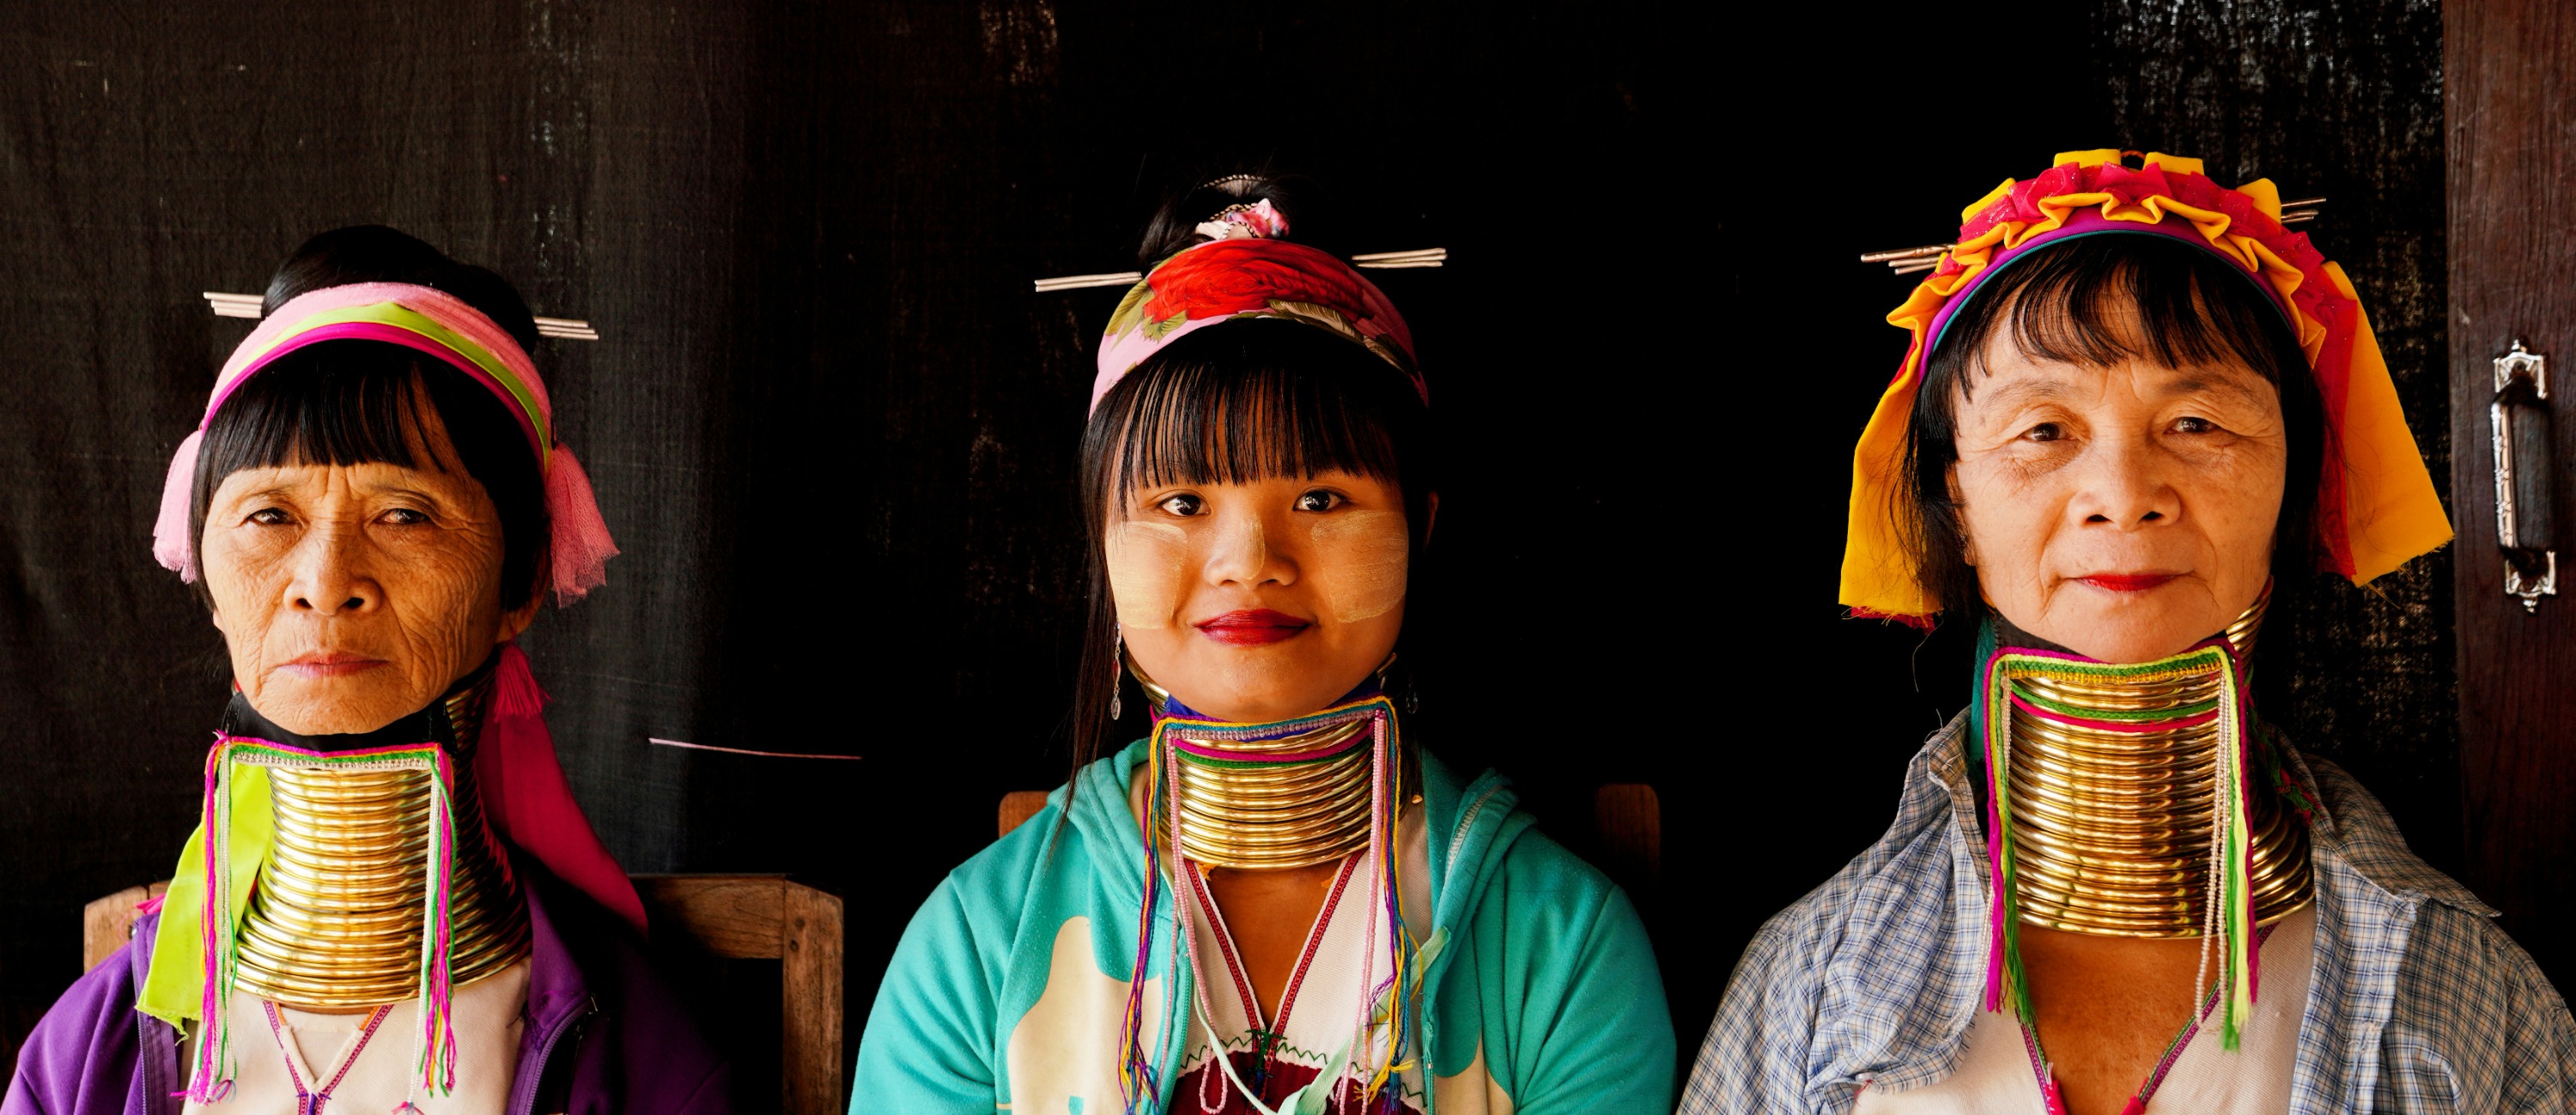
(2195, 426)
(405, 517)
(1183, 505)
(270, 517)
(1320, 500)
(2045, 431)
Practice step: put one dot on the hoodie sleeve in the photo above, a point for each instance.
(1612, 1047)
(928, 1046)
(1573, 1015)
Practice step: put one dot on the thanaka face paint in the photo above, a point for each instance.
(1149, 569)
(1361, 562)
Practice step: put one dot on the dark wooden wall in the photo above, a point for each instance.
(2511, 90)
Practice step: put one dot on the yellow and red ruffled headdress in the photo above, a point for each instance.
(2376, 505)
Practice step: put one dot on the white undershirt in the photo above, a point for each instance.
(488, 1014)
(1994, 1074)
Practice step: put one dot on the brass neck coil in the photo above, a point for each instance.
(334, 922)
(1292, 816)
(2111, 830)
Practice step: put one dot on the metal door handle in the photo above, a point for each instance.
(2526, 510)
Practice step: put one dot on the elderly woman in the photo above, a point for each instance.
(2136, 409)
(1274, 902)
(393, 903)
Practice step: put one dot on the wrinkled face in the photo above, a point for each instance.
(351, 596)
(1263, 600)
(2124, 513)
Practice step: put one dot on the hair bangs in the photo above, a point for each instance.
(1282, 400)
(2102, 300)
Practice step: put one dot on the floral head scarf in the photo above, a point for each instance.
(1247, 272)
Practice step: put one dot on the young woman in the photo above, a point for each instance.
(2136, 410)
(1274, 902)
(393, 903)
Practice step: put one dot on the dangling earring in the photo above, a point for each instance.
(1117, 668)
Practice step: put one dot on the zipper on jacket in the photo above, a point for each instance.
(546, 1051)
(1466, 821)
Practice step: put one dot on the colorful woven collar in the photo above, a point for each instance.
(2376, 505)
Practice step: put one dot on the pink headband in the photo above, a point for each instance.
(1248, 273)
(438, 325)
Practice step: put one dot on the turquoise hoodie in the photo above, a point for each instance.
(1542, 998)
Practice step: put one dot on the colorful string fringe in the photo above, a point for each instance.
(1393, 1006)
(435, 1057)
(2228, 925)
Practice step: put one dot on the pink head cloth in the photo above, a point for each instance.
(580, 545)
(1246, 271)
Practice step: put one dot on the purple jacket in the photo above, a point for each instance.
(605, 1035)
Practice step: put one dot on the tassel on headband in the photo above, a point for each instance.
(437, 324)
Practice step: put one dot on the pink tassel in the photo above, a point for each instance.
(582, 546)
(528, 801)
(514, 686)
(171, 545)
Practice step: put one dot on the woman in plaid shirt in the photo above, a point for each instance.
(2136, 411)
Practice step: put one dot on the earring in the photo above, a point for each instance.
(1117, 668)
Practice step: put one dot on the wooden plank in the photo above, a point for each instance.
(107, 923)
(1017, 807)
(1630, 821)
(810, 1001)
(2509, 90)
(730, 915)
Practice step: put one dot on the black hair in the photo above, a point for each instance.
(2058, 304)
(1244, 401)
(347, 402)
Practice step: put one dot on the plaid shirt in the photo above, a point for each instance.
(2418, 1003)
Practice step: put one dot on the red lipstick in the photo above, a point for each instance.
(2127, 582)
(331, 664)
(1252, 627)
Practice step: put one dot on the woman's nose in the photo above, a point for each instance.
(1241, 552)
(330, 574)
(2124, 486)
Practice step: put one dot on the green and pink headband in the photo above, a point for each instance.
(1246, 271)
(443, 327)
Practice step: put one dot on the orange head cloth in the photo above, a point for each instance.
(2376, 506)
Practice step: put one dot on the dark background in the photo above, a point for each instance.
(834, 431)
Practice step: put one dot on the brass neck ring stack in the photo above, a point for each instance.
(2111, 829)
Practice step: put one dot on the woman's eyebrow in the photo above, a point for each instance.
(2194, 381)
(2021, 391)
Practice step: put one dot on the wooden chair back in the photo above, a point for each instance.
(741, 917)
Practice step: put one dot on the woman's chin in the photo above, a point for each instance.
(332, 706)
(2131, 639)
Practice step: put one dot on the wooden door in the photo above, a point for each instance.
(2510, 94)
